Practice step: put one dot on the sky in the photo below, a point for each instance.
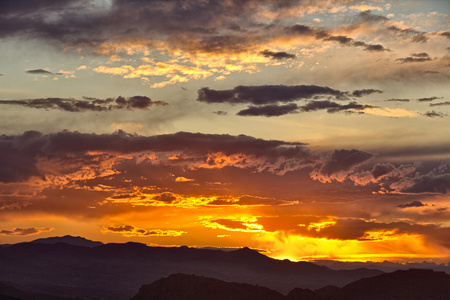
(305, 129)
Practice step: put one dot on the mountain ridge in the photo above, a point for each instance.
(116, 270)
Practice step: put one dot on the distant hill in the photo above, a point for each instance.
(9, 292)
(191, 287)
(117, 271)
(68, 239)
(414, 284)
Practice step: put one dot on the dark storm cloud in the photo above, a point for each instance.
(319, 34)
(301, 29)
(429, 99)
(277, 55)
(374, 48)
(41, 72)
(361, 93)
(267, 97)
(267, 94)
(428, 184)
(420, 38)
(269, 110)
(333, 107)
(343, 160)
(340, 39)
(19, 154)
(412, 204)
(220, 113)
(120, 228)
(24, 231)
(381, 169)
(397, 100)
(407, 31)
(165, 197)
(446, 34)
(88, 104)
(191, 25)
(415, 57)
(416, 36)
(435, 114)
(440, 103)
(351, 228)
(368, 16)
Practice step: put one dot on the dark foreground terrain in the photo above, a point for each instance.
(76, 268)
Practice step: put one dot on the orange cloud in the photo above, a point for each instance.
(25, 231)
(131, 231)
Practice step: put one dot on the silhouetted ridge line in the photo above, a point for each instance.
(191, 287)
(116, 271)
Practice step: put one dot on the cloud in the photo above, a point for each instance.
(440, 103)
(165, 197)
(429, 99)
(390, 112)
(269, 110)
(266, 98)
(333, 107)
(221, 113)
(183, 179)
(446, 34)
(41, 72)
(87, 104)
(19, 155)
(249, 201)
(277, 55)
(25, 231)
(415, 57)
(434, 114)
(130, 231)
(304, 30)
(361, 93)
(234, 224)
(412, 204)
(266, 94)
(416, 36)
(425, 184)
(397, 100)
(351, 228)
(337, 165)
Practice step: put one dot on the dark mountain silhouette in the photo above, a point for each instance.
(411, 284)
(328, 292)
(116, 271)
(9, 292)
(191, 287)
(385, 266)
(303, 294)
(414, 284)
(68, 239)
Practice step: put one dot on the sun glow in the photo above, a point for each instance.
(404, 247)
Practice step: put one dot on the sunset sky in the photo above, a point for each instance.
(306, 129)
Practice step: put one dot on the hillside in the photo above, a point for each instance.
(117, 271)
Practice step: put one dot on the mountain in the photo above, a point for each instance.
(9, 292)
(191, 287)
(414, 284)
(303, 294)
(68, 239)
(117, 271)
